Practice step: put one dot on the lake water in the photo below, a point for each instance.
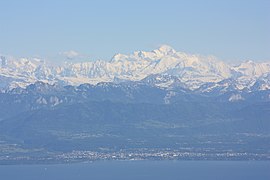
(141, 170)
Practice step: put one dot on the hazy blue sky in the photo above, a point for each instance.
(228, 29)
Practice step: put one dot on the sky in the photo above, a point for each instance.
(231, 30)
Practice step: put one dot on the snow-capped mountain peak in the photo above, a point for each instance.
(164, 50)
(252, 69)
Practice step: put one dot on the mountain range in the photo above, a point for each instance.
(141, 102)
(163, 67)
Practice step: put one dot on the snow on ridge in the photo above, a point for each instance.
(192, 70)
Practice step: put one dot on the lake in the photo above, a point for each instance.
(141, 170)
